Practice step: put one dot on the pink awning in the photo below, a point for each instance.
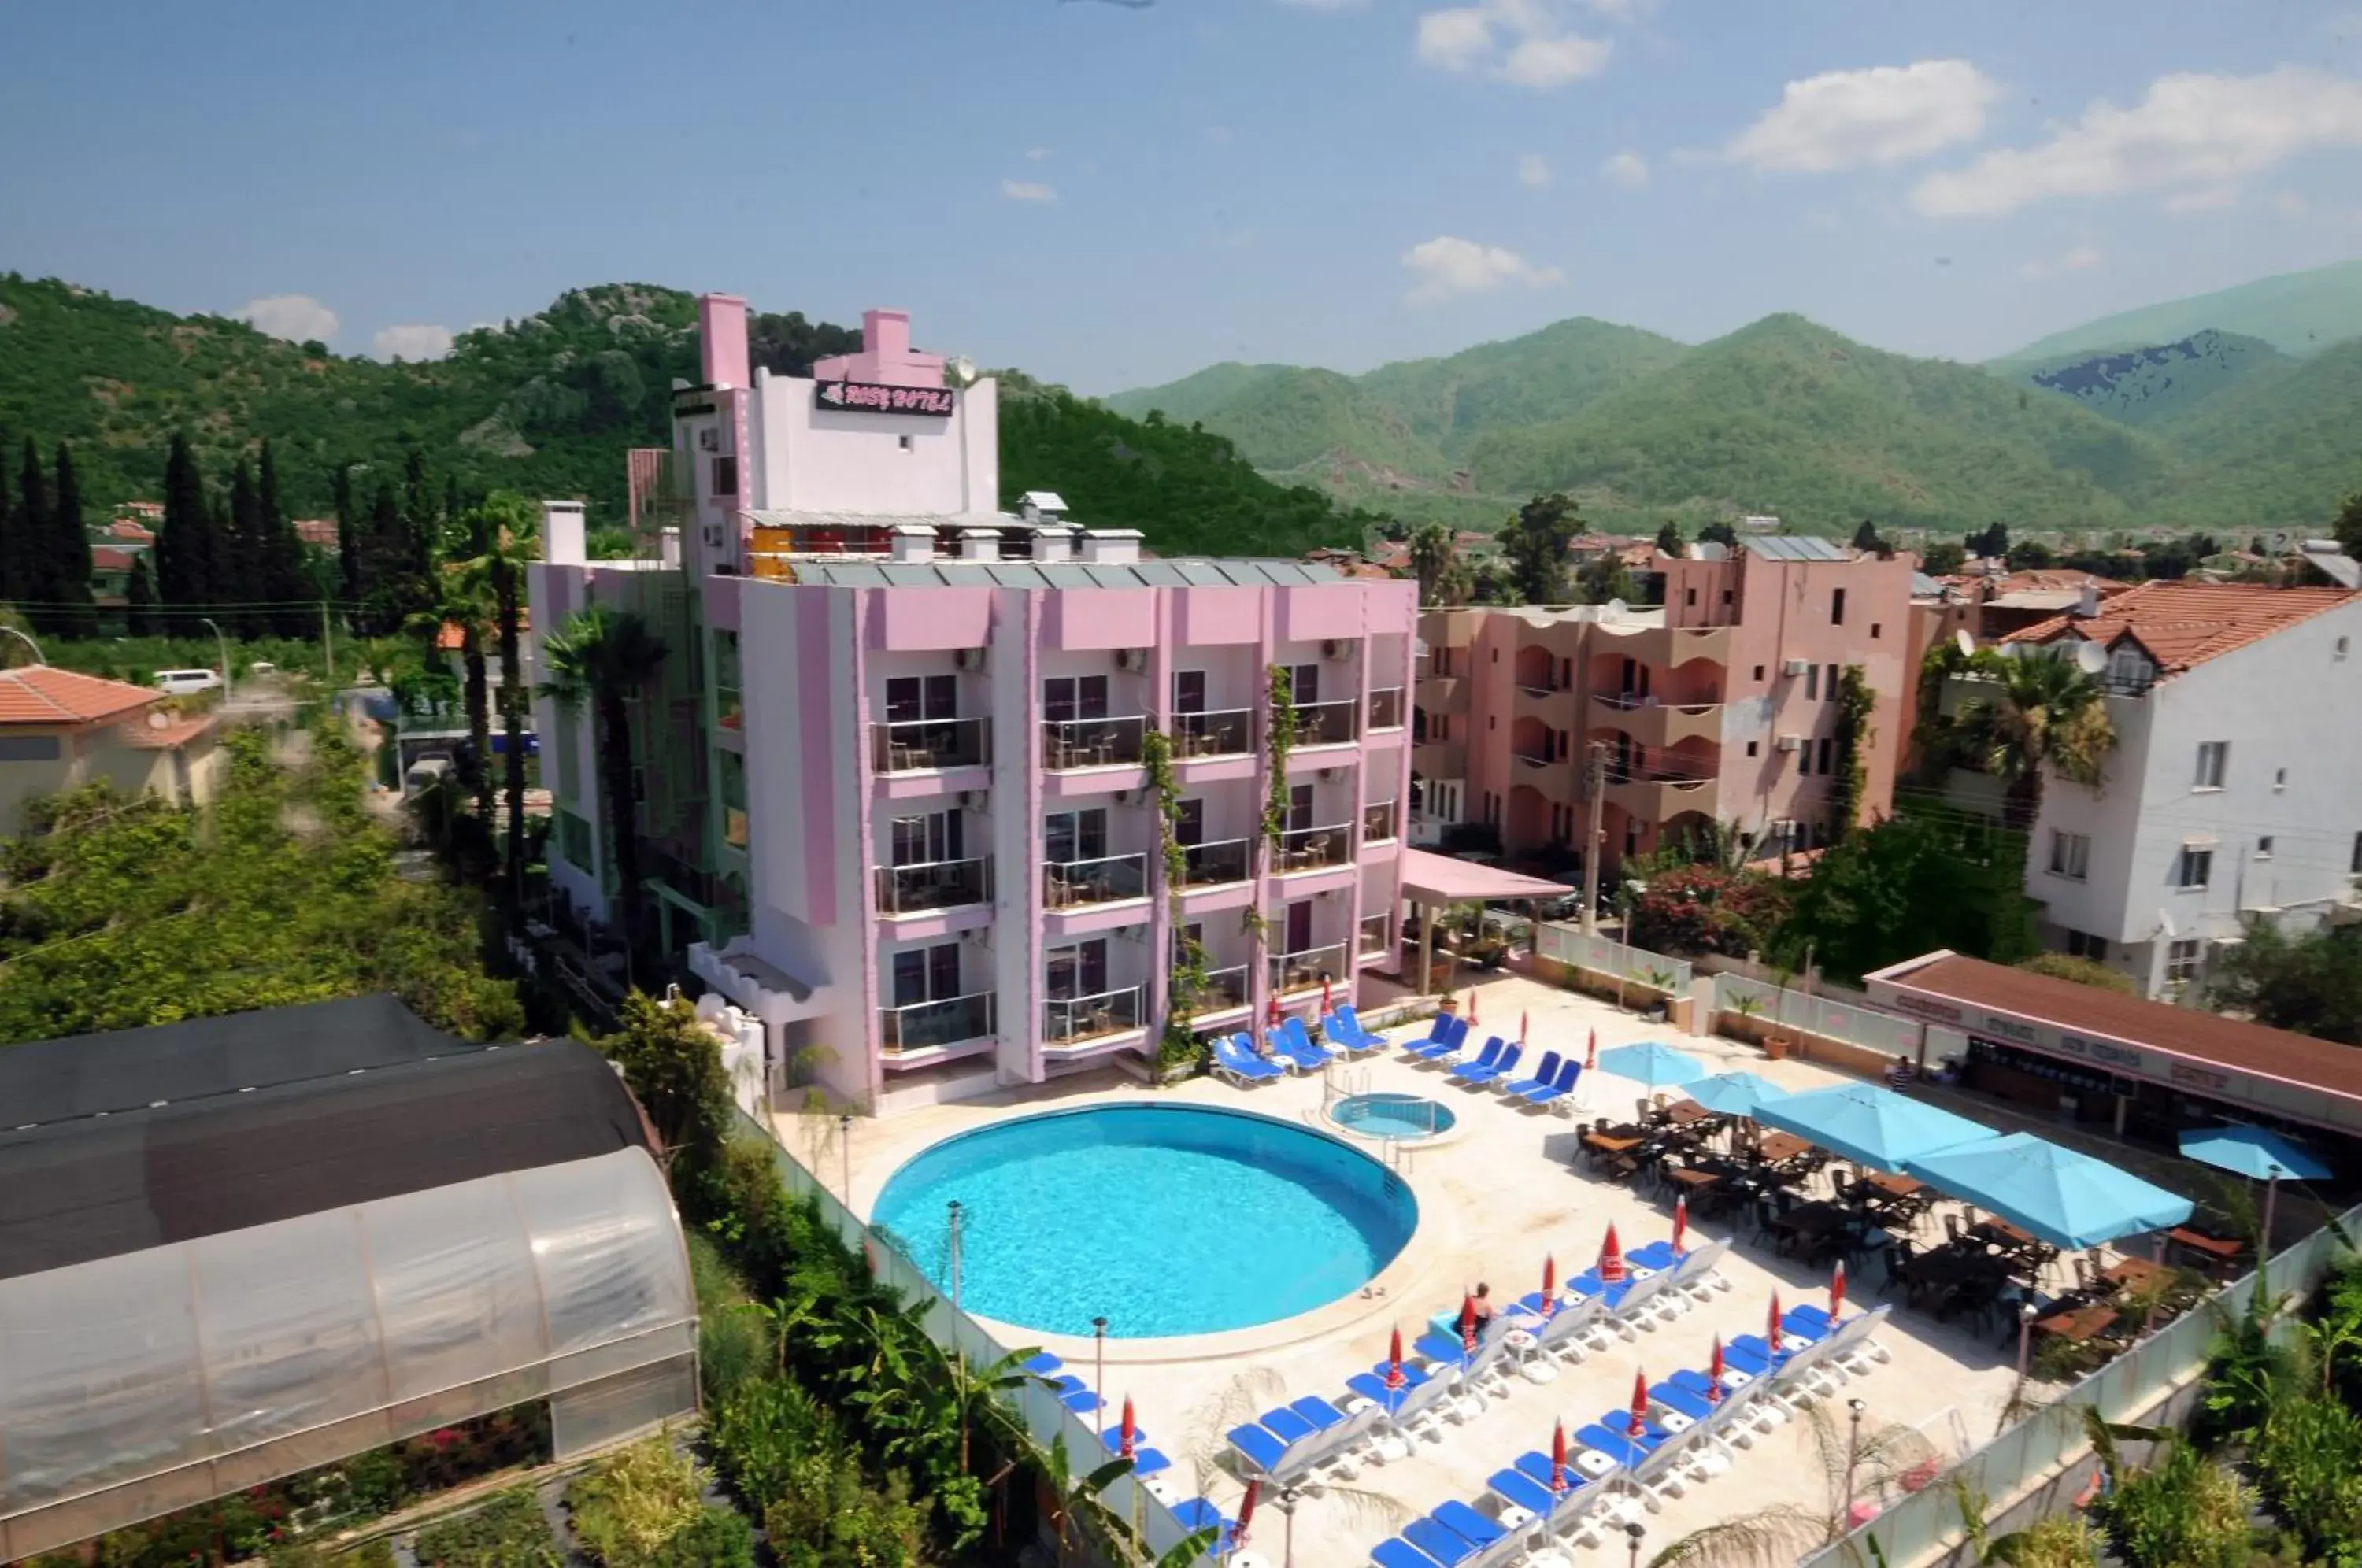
(1439, 878)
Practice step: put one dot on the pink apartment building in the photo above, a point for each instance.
(1720, 707)
(898, 799)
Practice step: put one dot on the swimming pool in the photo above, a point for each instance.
(1167, 1219)
(1393, 1116)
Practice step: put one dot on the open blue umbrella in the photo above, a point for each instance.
(1734, 1094)
(2253, 1151)
(2068, 1199)
(1652, 1066)
(1870, 1125)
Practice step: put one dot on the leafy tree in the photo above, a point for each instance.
(464, 600)
(67, 549)
(349, 533)
(502, 533)
(1942, 558)
(1851, 1465)
(2348, 528)
(1866, 538)
(597, 660)
(1993, 540)
(2029, 555)
(241, 569)
(184, 544)
(139, 601)
(28, 527)
(1908, 885)
(2048, 714)
(1534, 544)
(1604, 577)
(2307, 981)
(1695, 909)
(1669, 539)
(673, 1064)
(1721, 534)
(281, 577)
(11, 570)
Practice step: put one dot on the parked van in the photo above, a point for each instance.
(182, 682)
(425, 771)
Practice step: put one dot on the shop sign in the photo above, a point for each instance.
(870, 397)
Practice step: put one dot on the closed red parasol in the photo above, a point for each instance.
(1836, 1291)
(1246, 1516)
(1324, 996)
(1611, 1258)
(1714, 1372)
(1640, 1422)
(1591, 1053)
(1394, 1378)
(1681, 1222)
(1467, 1323)
(1521, 1028)
(1129, 1435)
(1271, 1013)
(1472, 1009)
(1550, 1283)
(1771, 1331)
(1558, 1457)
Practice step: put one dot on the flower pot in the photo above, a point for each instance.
(1449, 1007)
(1776, 1048)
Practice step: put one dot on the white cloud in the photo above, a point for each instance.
(1524, 41)
(1036, 154)
(2189, 130)
(2287, 204)
(1446, 266)
(1028, 190)
(298, 318)
(1628, 169)
(1841, 119)
(2081, 258)
(2205, 199)
(1533, 169)
(418, 340)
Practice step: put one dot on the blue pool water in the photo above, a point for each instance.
(1168, 1220)
(1393, 1115)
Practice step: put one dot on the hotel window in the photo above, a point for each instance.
(925, 840)
(2264, 847)
(2213, 761)
(1826, 741)
(1689, 597)
(2355, 865)
(725, 475)
(1753, 747)
(1074, 697)
(1069, 837)
(1304, 683)
(1837, 607)
(1188, 690)
(2082, 944)
(733, 799)
(926, 974)
(1812, 683)
(2194, 868)
(2181, 961)
(2070, 854)
(910, 697)
(1759, 672)
(1874, 627)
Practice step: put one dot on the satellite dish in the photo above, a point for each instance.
(1965, 643)
(2091, 658)
(961, 368)
(156, 721)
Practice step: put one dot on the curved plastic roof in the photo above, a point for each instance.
(145, 1381)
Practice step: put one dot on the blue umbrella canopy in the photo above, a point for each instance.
(2068, 1199)
(1734, 1094)
(1650, 1064)
(1870, 1125)
(2253, 1151)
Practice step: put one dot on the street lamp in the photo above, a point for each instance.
(1632, 1533)
(222, 642)
(1098, 1351)
(1287, 1497)
(959, 1356)
(844, 1156)
(2025, 1316)
(1853, 1456)
(28, 642)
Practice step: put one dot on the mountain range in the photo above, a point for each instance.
(2238, 415)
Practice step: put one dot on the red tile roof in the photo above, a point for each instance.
(169, 736)
(43, 694)
(2185, 624)
(124, 528)
(105, 557)
(320, 531)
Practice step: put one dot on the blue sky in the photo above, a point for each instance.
(1112, 194)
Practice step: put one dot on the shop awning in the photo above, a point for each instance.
(1439, 878)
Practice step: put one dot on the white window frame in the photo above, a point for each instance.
(2183, 957)
(2193, 868)
(2070, 854)
(2213, 765)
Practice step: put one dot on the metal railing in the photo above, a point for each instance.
(929, 1025)
(1377, 938)
(1643, 765)
(1227, 732)
(1068, 1019)
(1567, 944)
(1308, 849)
(1326, 724)
(1209, 865)
(1386, 707)
(1890, 1033)
(1628, 702)
(1378, 820)
(1092, 742)
(1308, 970)
(1533, 760)
(1069, 884)
(1223, 990)
(933, 885)
(917, 746)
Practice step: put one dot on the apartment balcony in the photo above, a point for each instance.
(1327, 723)
(936, 1025)
(1669, 647)
(1654, 723)
(1439, 693)
(1070, 743)
(1225, 990)
(1077, 884)
(1308, 971)
(1387, 709)
(1212, 864)
(1313, 848)
(1376, 938)
(1439, 760)
(1229, 732)
(925, 746)
(933, 885)
(1380, 822)
(1553, 706)
(1072, 1021)
(1658, 789)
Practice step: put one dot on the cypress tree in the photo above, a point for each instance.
(140, 597)
(8, 567)
(420, 525)
(28, 527)
(244, 581)
(68, 549)
(349, 536)
(285, 581)
(384, 596)
(184, 542)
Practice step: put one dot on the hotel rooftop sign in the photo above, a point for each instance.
(870, 397)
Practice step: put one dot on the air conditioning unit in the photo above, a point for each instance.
(969, 658)
(1330, 775)
(1791, 743)
(1135, 659)
(974, 799)
(1336, 650)
(1794, 665)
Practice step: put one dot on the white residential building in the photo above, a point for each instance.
(2235, 785)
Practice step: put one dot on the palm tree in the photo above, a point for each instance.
(501, 532)
(1442, 576)
(1853, 1465)
(598, 659)
(2048, 713)
(462, 601)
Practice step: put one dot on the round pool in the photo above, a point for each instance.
(1393, 1116)
(1167, 1219)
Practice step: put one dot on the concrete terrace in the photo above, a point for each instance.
(1495, 1196)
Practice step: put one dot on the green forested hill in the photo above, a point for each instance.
(2297, 313)
(2160, 386)
(546, 406)
(2280, 449)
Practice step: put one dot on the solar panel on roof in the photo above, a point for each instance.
(1161, 574)
(1015, 574)
(1797, 548)
(1113, 576)
(1065, 575)
(1204, 574)
(854, 575)
(904, 574)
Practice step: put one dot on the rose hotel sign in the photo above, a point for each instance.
(868, 397)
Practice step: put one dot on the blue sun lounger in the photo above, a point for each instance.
(1753, 1355)
(1235, 1059)
(1477, 1074)
(1293, 1048)
(1043, 1363)
(1682, 1398)
(1560, 1086)
(1656, 1256)
(1446, 1037)
(1344, 1025)
(1540, 1079)
(1197, 1514)
(1610, 1438)
(1075, 1394)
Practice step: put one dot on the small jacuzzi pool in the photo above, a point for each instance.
(1392, 1115)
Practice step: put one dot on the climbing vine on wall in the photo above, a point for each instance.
(1180, 1043)
(1854, 701)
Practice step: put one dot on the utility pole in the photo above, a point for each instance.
(328, 644)
(1595, 781)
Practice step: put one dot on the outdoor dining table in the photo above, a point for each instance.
(1692, 1178)
(2219, 1252)
(1894, 1184)
(2135, 1274)
(1779, 1148)
(2001, 1233)
(1687, 1113)
(1811, 1220)
(1613, 1142)
(2075, 1327)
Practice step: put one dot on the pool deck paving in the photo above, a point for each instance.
(1494, 1196)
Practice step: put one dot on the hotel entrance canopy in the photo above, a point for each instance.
(1439, 880)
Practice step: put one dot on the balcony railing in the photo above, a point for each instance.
(1378, 820)
(933, 885)
(917, 746)
(1070, 884)
(1091, 743)
(1209, 865)
(1326, 724)
(1227, 732)
(926, 1026)
(728, 709)
(1308, 849)
(1643, 766)
(1377, 941)
(1537, 758)
(1386, 708)
(1223, 990)
(1067, 1021)
(1308, 970)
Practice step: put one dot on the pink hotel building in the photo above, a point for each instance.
(893, 787)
